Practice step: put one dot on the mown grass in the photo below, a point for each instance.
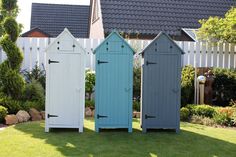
(29, 140)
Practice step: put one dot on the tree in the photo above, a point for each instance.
(11, 81)
(216, 29)
(89, 83)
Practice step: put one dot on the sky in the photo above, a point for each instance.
(25, 9)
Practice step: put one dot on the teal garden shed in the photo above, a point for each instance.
(114, 83)
(161, 76)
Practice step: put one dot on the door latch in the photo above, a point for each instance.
(101, 62)
(146, 116)
(99, 116)
(49, 115)
(147, 63)
(50, 61)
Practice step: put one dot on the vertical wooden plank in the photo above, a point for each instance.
(220, 55)
(215, 54)
(186, 51)
(231, 56)
(88, 50)
(226, 56)
(203, 54)
(192, 53)
(33, 52)
(208, 55)
(197, 54)
(27, 55)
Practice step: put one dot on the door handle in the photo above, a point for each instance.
(100, 116)
(51, 61)
(147, 63)
(49, 115)
(146, 116)
(101, 62)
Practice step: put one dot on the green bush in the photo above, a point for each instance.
(3, 113)
(225, 116)
(35, 74)
(136, 105)
(224, 86)
(34, 92)
(196, 119)
(13, 106)
(184, 114)
(187, 85)
(33, 104)
(137, 83)
(203, 110)
(12, 83)
(89, 83)
(90, 103)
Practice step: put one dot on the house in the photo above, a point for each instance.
(49, 20)
(144, 19)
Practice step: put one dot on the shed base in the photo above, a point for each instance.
(145, 130)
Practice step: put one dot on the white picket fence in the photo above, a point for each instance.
(198, 54)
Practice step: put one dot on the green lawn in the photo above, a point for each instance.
(29, 140)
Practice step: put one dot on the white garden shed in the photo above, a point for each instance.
(65, 83)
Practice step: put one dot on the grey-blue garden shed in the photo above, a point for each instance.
(114, 83)
(161, 76)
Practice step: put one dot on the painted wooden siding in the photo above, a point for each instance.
(65, 83)
(113, 89)
(198, 54)
(161, 84)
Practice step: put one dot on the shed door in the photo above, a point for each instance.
(64, 89)
(161, 90)
(113, 89)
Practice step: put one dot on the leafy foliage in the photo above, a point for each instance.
(3, 113)
(137, 83)
(187, 85)
(36, 74)
(225, 116)
(89, 83)
(136, 105)
(90, 103)
(184, 114)
(11, 81)
(224, 86)
(216, 29)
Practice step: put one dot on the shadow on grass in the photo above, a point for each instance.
(120, 143)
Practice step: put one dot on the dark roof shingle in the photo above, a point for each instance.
(152, 16)
(53, 18)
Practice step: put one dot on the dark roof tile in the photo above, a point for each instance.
(53, 18)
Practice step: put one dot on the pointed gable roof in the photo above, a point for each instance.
(65, 35)
(114, 33)
(161, 34)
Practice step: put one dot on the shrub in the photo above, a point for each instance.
(33, 104)
(3, 113)
(13, 106)
(225, 116)
(201, 110)
(89, 83)
(35, 74)
(184, 114)
(224, 86)
(137, 83)
(10, 79)
(89, 103)
(136, 105)
(187, 85)
(34, 92)
(202, 120)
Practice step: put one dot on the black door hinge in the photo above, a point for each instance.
(146, 116)
(50, 61)
(99, 116)
(147, 63)
(101, 62)
(49, 115)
